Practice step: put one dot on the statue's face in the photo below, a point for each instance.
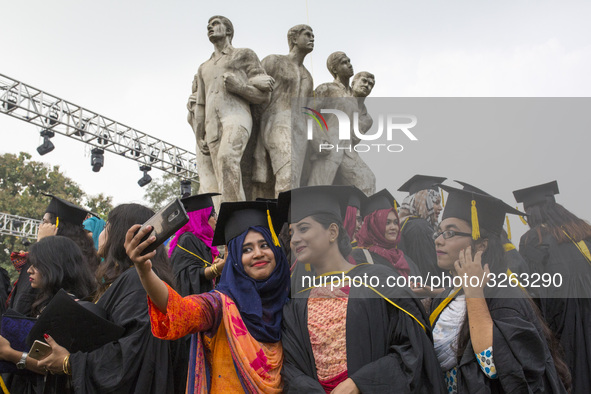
(362, 86)
(305, 40)
(344, 69)
(216, 30)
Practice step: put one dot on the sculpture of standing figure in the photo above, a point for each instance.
(342, 160)
(219, 110)
(282, 131)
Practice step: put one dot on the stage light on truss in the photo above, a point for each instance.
(97, 159)
(144, 180)
(47, 146)
(185, 188)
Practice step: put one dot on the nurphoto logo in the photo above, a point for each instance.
(390, 124)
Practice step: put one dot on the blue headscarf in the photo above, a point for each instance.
(260, 302)
(96, 227)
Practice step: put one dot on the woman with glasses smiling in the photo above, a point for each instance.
(488, 336)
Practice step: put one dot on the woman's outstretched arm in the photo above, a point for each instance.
(154, 286)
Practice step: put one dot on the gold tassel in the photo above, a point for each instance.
(442, 200)
(475, 225)
(508, 227)
(273, 235)
(307, 267)
(395, 205)
(57, 222)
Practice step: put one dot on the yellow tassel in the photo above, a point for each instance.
(57, 222)
(395, 205)
(442, 200)
(307, 267)
(475, 225)
(508, 227)
(273, 235)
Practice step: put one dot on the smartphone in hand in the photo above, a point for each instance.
(39, 350)
(165, 222)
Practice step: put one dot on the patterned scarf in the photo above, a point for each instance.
(421, 205)
(372, 236)
(258, 365)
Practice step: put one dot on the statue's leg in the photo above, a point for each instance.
(207, 180)
(232, 146)
(354, 171)
(324, 169)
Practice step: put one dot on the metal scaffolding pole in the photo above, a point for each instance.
(18, 226)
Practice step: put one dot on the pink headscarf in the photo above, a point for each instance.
(372, 236)
(199, 225)
(350, 221)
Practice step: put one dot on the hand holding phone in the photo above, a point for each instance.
(39, 350)
(165, 223)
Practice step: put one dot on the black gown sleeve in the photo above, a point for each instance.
(409, 363)
(137, 362)
(188, 270)
(521, 355)
(299, 368)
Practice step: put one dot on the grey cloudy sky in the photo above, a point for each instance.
(133, 61)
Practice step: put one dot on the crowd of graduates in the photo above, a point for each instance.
(223, 305)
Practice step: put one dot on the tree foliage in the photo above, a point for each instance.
(161, 191)
(22, 182)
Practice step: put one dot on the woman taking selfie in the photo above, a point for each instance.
(487, 338)
(238, 324)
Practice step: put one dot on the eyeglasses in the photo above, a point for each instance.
(449, 234)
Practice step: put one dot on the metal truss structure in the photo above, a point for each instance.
(57, 115)
(18, 226)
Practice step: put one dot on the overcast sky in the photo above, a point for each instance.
(134, 61)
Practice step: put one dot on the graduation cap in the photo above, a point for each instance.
(471, 188)
(537, 194)
(198, 201)
(77, 326)
(236, 217)
(381, 200)
(296, 204)
(481, 210)
(65, 211)
(357, 198)
(421, 182)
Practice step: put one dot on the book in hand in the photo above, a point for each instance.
(79, 326)
(15, 328)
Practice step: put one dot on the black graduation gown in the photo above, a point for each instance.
(521, 355)
(360, 258)
(567, 310)
(136, 363)
(386, 348)
(188, 270)
(514, 261)
(416, 241)
(23, 294)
